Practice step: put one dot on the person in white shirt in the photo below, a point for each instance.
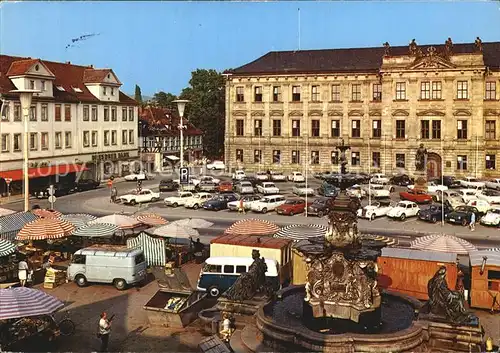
(23, 272)
(104, 331)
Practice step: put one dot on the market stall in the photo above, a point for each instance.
(151, 219)
(8, 265)
(485, 279)
(127, 226)
(97, 233)
(11, 225)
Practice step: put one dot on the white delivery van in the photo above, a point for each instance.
(118, 265)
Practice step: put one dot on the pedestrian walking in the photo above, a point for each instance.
(23, 272)
(241, 208)
(114, 193)
(472, 223)
(104, 331)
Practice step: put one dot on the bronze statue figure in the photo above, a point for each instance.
(448, 46)
(445, 302)
(387, 48)
(413, 47)
(420, 157)
(478, 44)
(251, 282)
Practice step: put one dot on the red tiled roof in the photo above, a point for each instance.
(348, 60)
(67, 75)
(161, 121)
(96, 75)
(21, 67)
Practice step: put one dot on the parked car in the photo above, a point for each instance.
(239, 175)
(375, 209)
(142, 175)
(462, 214)
(416, 196)
(356, 191)
(248, 200)
(451, 182)
(401, 180)
(432, 186)
(291, 207)
(59, 189)
(167, 185)
(377, 191)
(219, 202)
(197, 200)
(206, 186)
(492, 217)
(268, 188)
(302, 190)
(320, 207)
(179, 200)
(491, 196)
(193, 180)
(321, 175)
(296, 177)
(244, 187)
(262, 176)
(493, 184)
(328, 190)
(225, 186)
(471, 182)
(278, 176)
(379, 178)
(208, 178)
(251, 179)
(434, 213)
(403, 210)
(143, 196)
(86, 184)
(268, 203)
(468, 194)
(216, 165)
(482, 206)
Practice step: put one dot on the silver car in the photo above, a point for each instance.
(244, 187)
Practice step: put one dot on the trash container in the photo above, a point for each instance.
(215, 326)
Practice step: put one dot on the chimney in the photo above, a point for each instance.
(68, 62)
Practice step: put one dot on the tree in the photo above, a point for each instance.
(138, 94)
(206, 109)
(164, 100)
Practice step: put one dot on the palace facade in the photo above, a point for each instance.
(288, 110)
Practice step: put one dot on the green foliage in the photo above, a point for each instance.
(138, 94)
(164, 100)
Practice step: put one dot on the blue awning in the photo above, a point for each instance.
(11, 225)
(154, 248)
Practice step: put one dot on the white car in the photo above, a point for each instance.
(376, 209)
(138, 176)
(192, 181)
(492, 218)
(248, 201)
(467, 194)
(470, 182)
(403, 210)
(268, 188)
(491, 196)
(302, 190)
(278, 176)
(356, 191)
(178, 200)
(379, 178)
(216, 165)
(432, 187)
(145, 195)
(377, 191)
(197, 200)
(239, 174)
(244, 187)
(208, 178)
(268, 203)
(493, 184)
(296, 177)
(481, 205)
(261, 176)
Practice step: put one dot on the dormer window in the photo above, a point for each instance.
(77, 90)
(32, 84)
(60, 88)
(112, 91)
(104, 91)
(42, 86)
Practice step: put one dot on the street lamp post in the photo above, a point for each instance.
(25, 97)
(181, 105)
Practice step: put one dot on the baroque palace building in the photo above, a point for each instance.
(287, 110)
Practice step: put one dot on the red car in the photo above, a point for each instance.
(225, 186)
(416, 196)
(291, 207)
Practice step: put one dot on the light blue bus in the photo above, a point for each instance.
(219, 273)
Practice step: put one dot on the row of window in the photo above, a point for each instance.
(429, 90)
(314, 159)
(174, 141)
(429, 129)
(89, 113)
(42, 86)
(40, 140)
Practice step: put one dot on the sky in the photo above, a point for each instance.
(158, 44)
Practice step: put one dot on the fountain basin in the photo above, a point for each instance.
(287, 325)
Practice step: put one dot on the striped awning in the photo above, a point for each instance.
(388, 240)
(46, 228)
(6, 247)
(78, 219)
(43, 213)
(252, 226)
(195, 223)
(154, 248)
(23, 302)
(297, 232)
(11, 225)
(443, 243)
(6, 212)
(151, 219)
(173, 231)
(98, 230)
(121, 221)
(493, 249)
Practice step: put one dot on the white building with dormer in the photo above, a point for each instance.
(79, 121)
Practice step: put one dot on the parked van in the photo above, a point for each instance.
(220, 273)
(118, 265)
